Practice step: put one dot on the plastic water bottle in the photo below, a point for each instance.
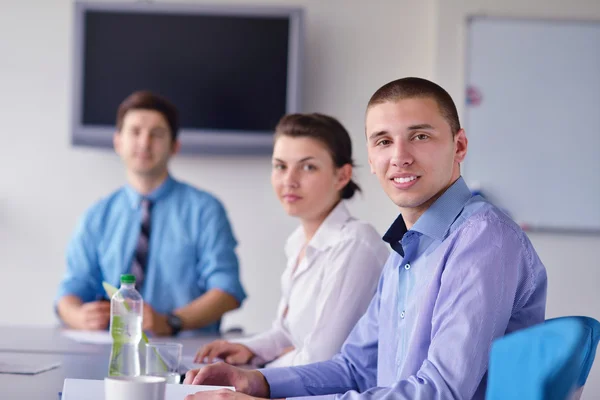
(126, 310)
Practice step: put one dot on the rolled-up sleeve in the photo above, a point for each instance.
(83, 277)
(218, 263)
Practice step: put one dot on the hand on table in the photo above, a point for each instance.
(250, 382)
(155, 323)
(231, 353)
(221, 394)
(94, 315)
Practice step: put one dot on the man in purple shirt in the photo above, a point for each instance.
(461, 275)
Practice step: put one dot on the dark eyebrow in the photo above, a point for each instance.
(420, 127)
(302, 160)
(375, 135)
(159, 130)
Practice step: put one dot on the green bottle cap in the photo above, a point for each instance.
(127, 278)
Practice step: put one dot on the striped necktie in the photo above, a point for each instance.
(140, 257)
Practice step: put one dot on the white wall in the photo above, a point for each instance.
(352, 47)
(572, 261)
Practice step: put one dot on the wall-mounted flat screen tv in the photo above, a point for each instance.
(231, 71)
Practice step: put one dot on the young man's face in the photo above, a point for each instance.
(413, 153)
(144, 142)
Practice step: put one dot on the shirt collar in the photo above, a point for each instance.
(135, 198)
(327, 233)
(436, 220)
(394, 234)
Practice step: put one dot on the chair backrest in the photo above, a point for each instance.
(593, 330)
(549, 361)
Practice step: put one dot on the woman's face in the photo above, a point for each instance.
(305, 178)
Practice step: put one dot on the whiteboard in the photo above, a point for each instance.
(533, 120)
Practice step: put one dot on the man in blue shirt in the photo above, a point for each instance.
(176, 239)
(461, 274)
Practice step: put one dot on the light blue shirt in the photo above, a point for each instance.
(191, 250)
(464, 275)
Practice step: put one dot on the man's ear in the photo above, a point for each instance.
(175, 147)
(461, 144)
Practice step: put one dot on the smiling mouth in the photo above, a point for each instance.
(405, 180)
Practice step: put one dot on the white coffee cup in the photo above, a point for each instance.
(135, 388)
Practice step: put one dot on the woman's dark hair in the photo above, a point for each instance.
(328, 131)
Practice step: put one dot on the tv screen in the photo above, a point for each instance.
(232, 72)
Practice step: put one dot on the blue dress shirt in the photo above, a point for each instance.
(191, 250)
(464, 275)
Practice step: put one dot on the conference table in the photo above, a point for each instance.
(43, 345)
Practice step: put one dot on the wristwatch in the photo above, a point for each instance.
(175, 323)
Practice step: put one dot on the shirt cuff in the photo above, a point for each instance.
(283, 382)
(228, 286)
(265, 349)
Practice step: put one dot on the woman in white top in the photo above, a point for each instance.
(334, 260)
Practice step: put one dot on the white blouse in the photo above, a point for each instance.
(325, 294)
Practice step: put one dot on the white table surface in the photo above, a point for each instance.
(78, 360)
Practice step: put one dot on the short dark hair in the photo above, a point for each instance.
(146, 100)
(328, 131)
(407, 88)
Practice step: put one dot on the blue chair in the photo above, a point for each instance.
(549, 361)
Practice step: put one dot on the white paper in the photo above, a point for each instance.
(94, 337)
(90, 389)
(26, 368)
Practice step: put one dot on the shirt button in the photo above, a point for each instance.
(407, 266)
(402, 315)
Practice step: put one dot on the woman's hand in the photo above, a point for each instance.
(231, 353)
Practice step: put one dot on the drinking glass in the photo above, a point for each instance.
(163, 359)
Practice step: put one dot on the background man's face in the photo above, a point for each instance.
(144, 142)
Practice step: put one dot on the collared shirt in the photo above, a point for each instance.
(464, 275)
(191, 248)
(325, 294)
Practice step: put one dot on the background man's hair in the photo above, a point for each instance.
(146, 100)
